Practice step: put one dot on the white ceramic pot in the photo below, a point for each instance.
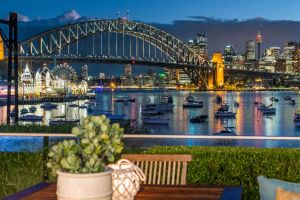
(93, 186)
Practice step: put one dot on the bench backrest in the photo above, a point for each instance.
(162, 169)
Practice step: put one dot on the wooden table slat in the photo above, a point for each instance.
(147, 192)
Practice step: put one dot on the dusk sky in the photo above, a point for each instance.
(158, 11)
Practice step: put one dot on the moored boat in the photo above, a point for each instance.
(225, 114)
(32, 109)
(192, 104)
(292, 102)
(190, 98)
(287, 98)
(236, 104)
(263, 106)
(48, 106)
(156, 120)
(269, 111)
(124, 99)
(218, 99)
(199, 119)
(31, 118)
(23, 111)
(224, 107)
(274, 99)
(166, 100)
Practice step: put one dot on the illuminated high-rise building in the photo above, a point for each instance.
(250, 50)
(228, 55)
(289, 53)
(84, 72)
(250, 55)
(258, 41)
(199, 45)
(127, 70)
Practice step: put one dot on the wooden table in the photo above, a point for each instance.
(47, 191)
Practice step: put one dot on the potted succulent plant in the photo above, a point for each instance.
(80, 166)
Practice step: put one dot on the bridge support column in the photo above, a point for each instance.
(218, 63)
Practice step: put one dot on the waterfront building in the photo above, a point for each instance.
(61, 80)
(26, 85)
(38, 83)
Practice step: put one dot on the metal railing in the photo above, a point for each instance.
(153, 136)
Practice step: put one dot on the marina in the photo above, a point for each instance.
(265, 118)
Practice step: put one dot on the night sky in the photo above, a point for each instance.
(158, 11)
(225, 21)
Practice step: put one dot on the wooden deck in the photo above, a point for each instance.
(47, 191)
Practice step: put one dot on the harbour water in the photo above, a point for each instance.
(249, 121)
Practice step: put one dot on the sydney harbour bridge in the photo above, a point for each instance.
(124, 41)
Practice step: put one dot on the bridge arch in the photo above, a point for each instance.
(55, 39)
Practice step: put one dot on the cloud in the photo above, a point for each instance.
(235, 32)
(69, 16)
(220, 31)
(23, 18)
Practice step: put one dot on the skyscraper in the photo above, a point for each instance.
(289, 54)
(199, 45)
(250, 50)
(250, 55)
(228, 55)
(84, 72)
(128, 71)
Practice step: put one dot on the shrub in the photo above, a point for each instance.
(99, 144)
(19, 171)
(234, 166)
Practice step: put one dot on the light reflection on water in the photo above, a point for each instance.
(248, 121)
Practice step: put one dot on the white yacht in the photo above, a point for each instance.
(192, 104)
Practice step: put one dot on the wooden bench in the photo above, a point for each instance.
(162, 169)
